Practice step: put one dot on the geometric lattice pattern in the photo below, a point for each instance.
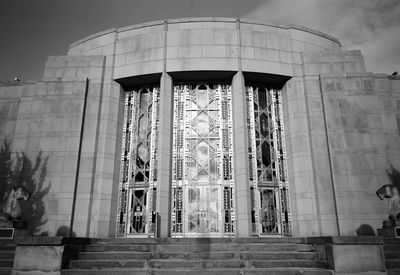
(267, 162)
(138, 179)
(202, 201)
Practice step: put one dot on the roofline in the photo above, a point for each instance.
(203, 19)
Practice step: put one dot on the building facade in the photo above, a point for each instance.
(203, 127)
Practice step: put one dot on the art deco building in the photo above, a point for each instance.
(205, 127)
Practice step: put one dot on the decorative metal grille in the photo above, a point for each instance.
(138, 179)
(270, 210)
(202, 160)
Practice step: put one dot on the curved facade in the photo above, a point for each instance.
(209, 127)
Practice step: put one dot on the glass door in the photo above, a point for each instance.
(202, 202)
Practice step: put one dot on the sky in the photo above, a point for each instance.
(32, 30)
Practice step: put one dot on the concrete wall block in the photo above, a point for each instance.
(153, 40)
(297, 70)
(296, 58)
(368, 84)
(77, 61)
(137, 57)
(381, 84)
(189, 51)
(328, 84)
(129, 44)
(286, 69)
(225, 37)
(214, 51)
(311, 69)
(56, 61)
(274, 41)
(108, 49)
(247, 52)
(297, 46)
(260, 39)
(352, 259)
(266, 54)
(247, 39)
(350, 67)
(324, 68)
(262, 66)
(232, 51)
(96, 61)
(156, 53)
(337, 67)
(285, 57)
(38, 259)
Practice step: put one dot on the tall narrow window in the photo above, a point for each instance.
(267, 162)
(138, 179)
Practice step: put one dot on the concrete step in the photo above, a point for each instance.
(111, 255)
(279, 255)
(270, 240)
(199, 255)
(392, 263)
(210, 271)
(7, 255)
(288, 263)
(7, 247)
(391, 241)
(6, 262)
(214, 247)
(392, 254)
(5, 270)
(194, 264)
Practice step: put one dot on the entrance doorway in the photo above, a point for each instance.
(202, 203)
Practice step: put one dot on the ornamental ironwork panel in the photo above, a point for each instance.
(202, 200)
(270, 211)
(138, 173)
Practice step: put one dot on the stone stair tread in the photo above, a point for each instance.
(208, 271)
(6, 262)
(394, 271)
(200, 247)
(7, 255)
(5, 270)
(268, 240)
(392, 255)
(154, 255)
(10, 247)
(392, 263)
(198, 263)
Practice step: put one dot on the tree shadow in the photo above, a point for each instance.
(365, 230)
(17, 170)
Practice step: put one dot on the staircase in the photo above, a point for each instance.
(7, 251)
(391, 248)
(220, 256)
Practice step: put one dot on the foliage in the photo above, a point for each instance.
(394, 176)
(17, 170)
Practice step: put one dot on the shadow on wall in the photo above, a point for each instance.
(17, 170)
(365, 230)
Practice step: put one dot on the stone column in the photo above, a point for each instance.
(164, 178)
(241, 157)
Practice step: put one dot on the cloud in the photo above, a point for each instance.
(369, 25)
